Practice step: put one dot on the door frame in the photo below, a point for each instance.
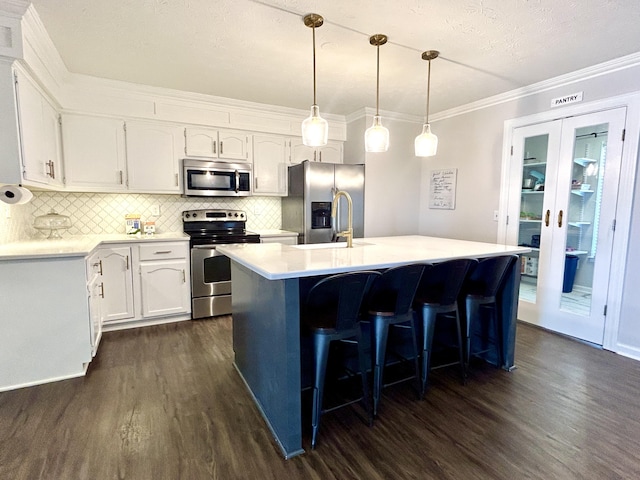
(628, 172)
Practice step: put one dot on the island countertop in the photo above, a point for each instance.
(275, 261)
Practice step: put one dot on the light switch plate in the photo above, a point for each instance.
(155, 210)
(495, 215)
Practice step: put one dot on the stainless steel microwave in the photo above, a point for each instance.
(207, 178)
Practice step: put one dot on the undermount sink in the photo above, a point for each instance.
(323, 246)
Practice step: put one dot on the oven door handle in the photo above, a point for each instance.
(204, 247)
(237, 181)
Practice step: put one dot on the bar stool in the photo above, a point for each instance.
(389, 303)
(331, 312)
(437, 299)
(481, 291)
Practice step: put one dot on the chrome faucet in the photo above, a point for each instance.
(348, 233)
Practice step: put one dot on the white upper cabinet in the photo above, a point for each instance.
(153, 157)
(94, 153)
(39, 135)
(270, 165)
(212, 143)
(332, 152)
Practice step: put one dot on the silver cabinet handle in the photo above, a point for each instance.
(320, 155)
(99, 264)
(120, 173)
(127, 260)
(215, 147)
(176, 179)
(315, 155)
(162, 252)
(221, 147)
(102, 289)
(256, 183)
(184, 276)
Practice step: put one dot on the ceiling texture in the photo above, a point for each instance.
(261, 51)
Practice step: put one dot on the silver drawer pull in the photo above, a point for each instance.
(162, 252)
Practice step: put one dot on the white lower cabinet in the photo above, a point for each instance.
(142, 280)
(115, 265)
(164, 278)
(95, 289)
(165, 287)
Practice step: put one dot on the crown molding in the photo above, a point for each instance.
(367, 112)
(605, 68)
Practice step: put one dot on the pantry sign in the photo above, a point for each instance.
(566, 100)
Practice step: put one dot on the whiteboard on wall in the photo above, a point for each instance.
(442, 189)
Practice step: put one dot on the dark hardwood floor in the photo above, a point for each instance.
(165, 402)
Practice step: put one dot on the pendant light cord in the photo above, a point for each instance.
(313, 28)
(378, 80)
(428, 90)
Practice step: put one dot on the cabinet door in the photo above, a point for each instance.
(331, 152)
(165, 287)
(153, 157)
(299, 152)
(270, 165)
(201, 142)
(118, 283)
(39, 145)
(94, 152)
(233, 145)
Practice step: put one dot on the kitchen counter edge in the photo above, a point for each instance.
(76, 246)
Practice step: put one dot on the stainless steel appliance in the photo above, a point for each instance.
(206, 178)
(307, 208)
(210, 270)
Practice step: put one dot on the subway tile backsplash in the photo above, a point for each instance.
(96, 213)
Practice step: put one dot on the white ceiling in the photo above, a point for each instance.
(261, 51)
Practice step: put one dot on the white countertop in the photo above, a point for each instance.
(76, 246)
(276, 261)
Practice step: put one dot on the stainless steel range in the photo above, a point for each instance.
(210, 270)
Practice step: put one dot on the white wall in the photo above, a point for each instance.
(392, 178)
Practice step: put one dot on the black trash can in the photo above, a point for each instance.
(570, 267)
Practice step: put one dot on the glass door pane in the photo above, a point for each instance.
(534, 167)
(583, 215)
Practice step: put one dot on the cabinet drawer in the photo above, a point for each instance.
(157, 251)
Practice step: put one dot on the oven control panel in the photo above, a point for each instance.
(213, 215)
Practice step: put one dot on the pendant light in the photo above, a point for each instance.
(315, 129)
(426, 144)
(376, 138)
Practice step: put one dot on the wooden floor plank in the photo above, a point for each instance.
(165, 402)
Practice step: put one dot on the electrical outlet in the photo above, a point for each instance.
(155, 210)
(495, 215)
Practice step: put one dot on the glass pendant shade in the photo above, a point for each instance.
(376, 138)
(426, 144)
(315, 129)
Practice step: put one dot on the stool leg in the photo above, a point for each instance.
(463, 370)
(473, 311)
(380, 332)
(416, 356)
(428, 322)
(363, 373)
(320, 354)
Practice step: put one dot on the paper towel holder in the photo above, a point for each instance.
(15, 194)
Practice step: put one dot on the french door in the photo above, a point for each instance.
(564, 179)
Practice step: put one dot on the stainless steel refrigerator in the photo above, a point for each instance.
(307, 208)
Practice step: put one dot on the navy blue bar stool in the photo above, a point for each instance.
(482, 290)
(331, 313)
(437, 300)
(389, 303)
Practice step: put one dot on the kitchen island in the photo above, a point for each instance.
(269, 281)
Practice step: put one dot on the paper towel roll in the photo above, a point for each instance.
(15, 195)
